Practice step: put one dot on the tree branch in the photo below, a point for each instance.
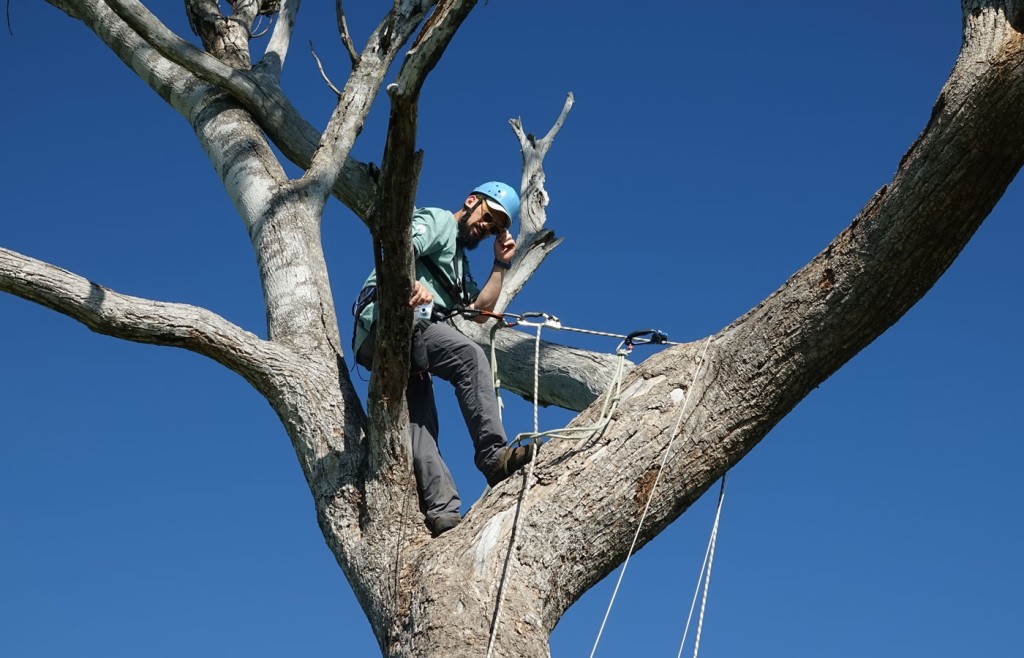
(545, 143)
(391, 238)
(140, 320)
(534, 242)
(346, 38)
(700, 413)
(259, 94)
(762, 365)
(170, 45)
(392, 245)
(224, 37)
(359, 93)
(272, 62)
(244, 12)
(323, 74)
(570, 378)
(430, 44)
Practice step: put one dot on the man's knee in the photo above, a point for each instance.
(449, 348)
(469, 352)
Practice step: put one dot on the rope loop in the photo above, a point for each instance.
(540, 320)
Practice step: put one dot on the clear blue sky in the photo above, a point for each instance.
(151, 504)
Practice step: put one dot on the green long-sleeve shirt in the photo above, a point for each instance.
(434, 233)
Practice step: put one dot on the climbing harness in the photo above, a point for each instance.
(650, 496)
(611, 399)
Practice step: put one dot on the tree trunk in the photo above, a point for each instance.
(498, 583)
(705, 410)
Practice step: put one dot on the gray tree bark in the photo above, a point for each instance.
(696, 408)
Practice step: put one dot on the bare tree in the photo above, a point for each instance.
(683, 418)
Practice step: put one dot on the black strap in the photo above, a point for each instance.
(366, 296)
(454, 289)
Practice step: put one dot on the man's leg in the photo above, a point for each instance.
(439, 499)
(456, 359)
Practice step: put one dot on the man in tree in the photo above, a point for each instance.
(443, 284)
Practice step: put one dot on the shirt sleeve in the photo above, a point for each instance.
(426, 238)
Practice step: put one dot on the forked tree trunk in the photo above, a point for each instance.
(696, 408)
(584, 501)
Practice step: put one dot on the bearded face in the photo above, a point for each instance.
(464, 237)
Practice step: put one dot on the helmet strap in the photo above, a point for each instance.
(469, 210)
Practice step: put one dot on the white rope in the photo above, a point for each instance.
(707, 582)
(508, 556)
(554, 323)
(536, 378)
(611, 403)
(650, 497)
(709, 557)
(494, 368)
(521, 503)
(693, 601)
(608, 408)
(611, 398)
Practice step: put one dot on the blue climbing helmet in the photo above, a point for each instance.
(502, 195)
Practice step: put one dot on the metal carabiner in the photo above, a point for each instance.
(549, 320)
(511, 319)
(646, 337)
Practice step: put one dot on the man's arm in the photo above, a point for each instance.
(504, 250)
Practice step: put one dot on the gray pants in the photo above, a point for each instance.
(458, 360)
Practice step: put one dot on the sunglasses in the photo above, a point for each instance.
(496, 221)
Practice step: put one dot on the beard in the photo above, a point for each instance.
(464, 238)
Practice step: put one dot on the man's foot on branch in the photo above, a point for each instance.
(508, 462)
(442, 524)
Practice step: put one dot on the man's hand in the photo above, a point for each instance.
(504, 249)
(504, 246)
(420, 295)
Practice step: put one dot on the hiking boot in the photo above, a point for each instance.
(442, 524)
(508, 461)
